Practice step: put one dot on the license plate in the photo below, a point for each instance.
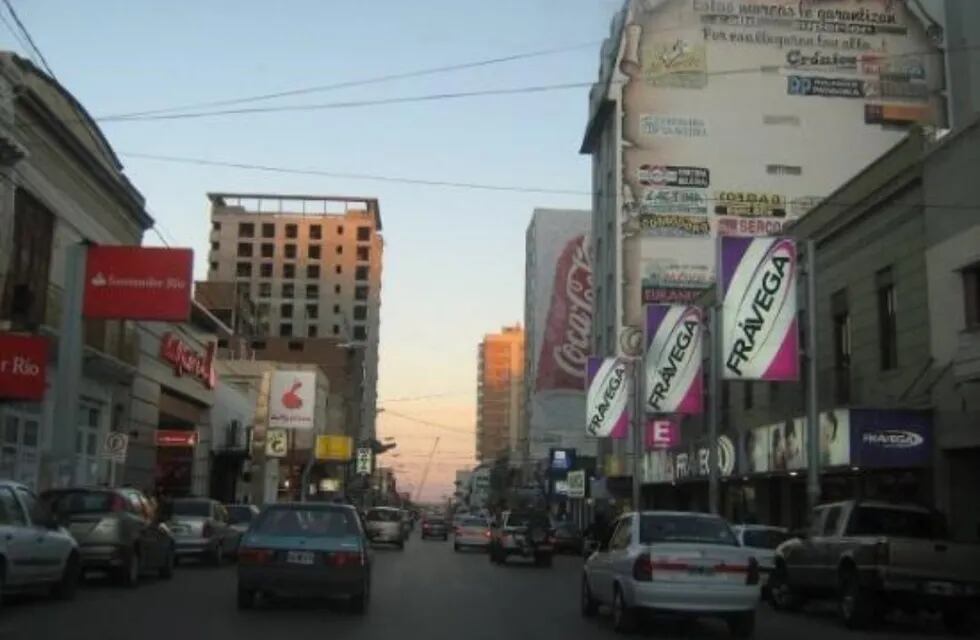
(299, 557)
(701, 571)
(940, 588)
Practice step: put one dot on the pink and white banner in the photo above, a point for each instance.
(759, 320)
(674, 339)
(607, 398)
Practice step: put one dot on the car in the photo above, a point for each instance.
(763, 540)
(202, 530)
(568, 538)
(35, 551)
(308, 549)
(384, 525)
(240, 516)
(471, 532)
(118, 531)
(526, 534)
(408, 525)
(676, 562)
(435, 527)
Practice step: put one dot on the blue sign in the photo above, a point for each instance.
(891, 438)
(562, 459)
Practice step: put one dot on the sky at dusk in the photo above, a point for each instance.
(454, 258)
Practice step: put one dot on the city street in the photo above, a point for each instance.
(427, 591)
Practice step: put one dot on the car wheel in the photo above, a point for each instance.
(590, 607)
(742, 625)
(169, 561)
(246, 598)
(129, 574)
(218, 556)
(956, 621)
(66, 587)
(624, 617)
(781, 595)
(856, 604)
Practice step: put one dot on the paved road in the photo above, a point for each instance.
(425, 592)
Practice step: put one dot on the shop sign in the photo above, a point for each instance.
(673, 126)
(685, 464)
(674, 343)
(825, 87)
(138, 283)
(334, 448)
(751, 227)
(750, 204)
(575, 482)
(292, 399)
(673, 176)
(671, 295)
(365, 460)
(187, 361)
(175, 438)
(561, 459)
(671, 225)
(900, 66)
(276, 443)
(607, 398)
(674, 201)
(23, 366)
(661, 433)
(891, 438)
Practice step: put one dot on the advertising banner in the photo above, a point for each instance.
(138, 283)
(575, 481)
(759, 324)
(783, 446)
(186, 361)
(607, 398)
(562, 459)
(334, 448)
(676, 270)
(23, 366)
(674, 344)
(661, 433)
(292, 400)
(891, 438)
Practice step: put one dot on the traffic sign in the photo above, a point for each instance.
(276, 443)
(114, 446)
(364, 461)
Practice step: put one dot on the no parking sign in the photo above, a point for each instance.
(114, 446)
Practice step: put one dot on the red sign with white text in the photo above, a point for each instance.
(175, 438)
(138, 283)
(186, 361)
(23, 363)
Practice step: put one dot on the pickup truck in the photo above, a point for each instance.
(874, 557)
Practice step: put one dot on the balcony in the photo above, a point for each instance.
(966, 362)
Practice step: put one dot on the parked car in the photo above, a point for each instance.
(875, 556)
(118, 531)
(435, 527)
(568, 538)
(471, 532)
(202, 530)
(763, 540)
(240, 516)
(305, 550)
(384, 524)
(526, 534)
(677, 562)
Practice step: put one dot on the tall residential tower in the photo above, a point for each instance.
(500, 393)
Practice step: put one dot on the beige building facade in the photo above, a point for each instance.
(500, 393)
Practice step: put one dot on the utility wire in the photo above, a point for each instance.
(426, 397)
(30, 40)
(19, 38)
(428, 423)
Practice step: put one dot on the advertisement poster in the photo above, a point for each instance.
(783, 446)
(675, 270)
(661, 433)
(292, 400)
(759, 320)
(138, 283)
(673, 361)
(607, 398)
(891, 438)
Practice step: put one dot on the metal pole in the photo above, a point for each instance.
(639, 375)
(813, 425)
(714, 408)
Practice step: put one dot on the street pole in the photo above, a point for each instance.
(639, 375)
(714, 408)
(812, 414)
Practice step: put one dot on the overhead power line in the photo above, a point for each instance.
(427, 396)
(30, 40)
(429, 423)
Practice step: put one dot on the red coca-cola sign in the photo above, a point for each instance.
(186, 361)
(568, 329)
(23, 363)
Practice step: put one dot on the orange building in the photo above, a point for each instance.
(500, 392)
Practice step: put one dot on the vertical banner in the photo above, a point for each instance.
(607, 398)
(759, 321)
(673, 361)
(661, 433)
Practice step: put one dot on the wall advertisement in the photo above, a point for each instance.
(292, 400)
(690, 462)
(607, 398)
(675, 270)
(673, 361)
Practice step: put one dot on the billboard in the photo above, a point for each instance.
(607, 398)
(292, 400)
(757, 286)
(891, 438)
(674, 344)
(675, 270)
(138, 283)
(23, 366)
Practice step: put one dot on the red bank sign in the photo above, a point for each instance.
(23, 363)
(138, 283)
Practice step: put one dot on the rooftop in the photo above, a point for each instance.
(297, 204)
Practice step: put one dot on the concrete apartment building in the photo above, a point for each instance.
(313, 267)
(500, 396)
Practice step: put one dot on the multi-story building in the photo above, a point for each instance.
(558, 330)
(313, 267)
(500, 396)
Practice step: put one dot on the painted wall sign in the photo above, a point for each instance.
(680, 63)
(673, 361)
(186, 361)
(674, 225)
(671, 176)
(607, 398)
(23, 366)
(891, 438)
(674, 201)
(138, 283)
(824, 87)
(673, 126)
(821, 60)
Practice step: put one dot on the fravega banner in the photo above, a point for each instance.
(607, 398)
(759, 326)
(674, 339)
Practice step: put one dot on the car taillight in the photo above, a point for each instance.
(882, 552)
(255, 556)
(643, 568)
(207, 530)
(752, 576)
(457, 530)
(118, 503)
(486, 533)
(345, 559)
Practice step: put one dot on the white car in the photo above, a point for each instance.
(34, 550)
(676, 562)
(762, 540)
(471, 532)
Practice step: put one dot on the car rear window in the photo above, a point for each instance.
(240, 514)
(199, 508)
(686, 528)
(73, 502)
(472, 522)
(435, 520)
(527, 520)
(764, 538)
(307, 523)
(900, 523)
(383, 515)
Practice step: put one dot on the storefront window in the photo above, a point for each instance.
(19, 456)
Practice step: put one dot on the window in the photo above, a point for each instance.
(214, 266)
(265, 270)
(340, 229)
(295, 345)
(363, 254)
(244, 249)
(887, 322)
(360, 293)
(25, 294)
(749, 397)
(246, 230)
(268, 250)
(316, 232)
(265, 289)
(816, 522)
(11, 513)
(262, 310)
(215, 226)
(338, 270)
(290, 251)
(336, 289)
(289, 271)
(361, 273)
(360, 312)
(336, 330)
(312, 291)
(336, 308)
(268, 230)
(686, 528)
(215, 246)
(288, 290)
(286, 310)
(621, 537)
(830, 521)
(244, 269)
(971, 296)
(312, 271)
(363, 234)
(313, 251)
(292, 231)
(360, 332)
(285, 330)
(340, 249)
(312, 311)
(311, 331)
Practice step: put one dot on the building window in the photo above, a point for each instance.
(363, 234)
(338, 270)
(244, 270)
(214, 266)
(336, 289)
(971, 296)
(748, 399)
(312, 271)
(215, 226)
(361, 273)
(246, 230)
(288, 290)
(285, 330)
(290, 251)
(258, 345)
(289, 271)
(265, 270)
(360, 293)
(360, 332)
(363, 254)
(295, 345)
(340, 249)
(887, 321)
(340, 229)
(316, 232)
(312, 291)
(265, 289)
(842, 346)
(313, 251)
(215, 246)
(336, 308)
(312, 311)
(286, 310)
(292, 231)
(360, 312)
(311, 331)
(268, 230)
(336, 329)
(262, 311)
(268, 250)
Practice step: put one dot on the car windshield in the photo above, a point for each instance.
(764, 538)
(527, 520)
(472, 522)
(383, 515)
(76, 502)
(685, 528)
(901, 523)
(196, 508)
(307, 522)
(240, 514)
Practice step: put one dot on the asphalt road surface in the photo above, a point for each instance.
(425, 592)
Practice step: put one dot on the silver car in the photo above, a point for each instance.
(762, 540)
(471, 532)
(384, 524)
(240, 516)
(682, 563)
(202, 530)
